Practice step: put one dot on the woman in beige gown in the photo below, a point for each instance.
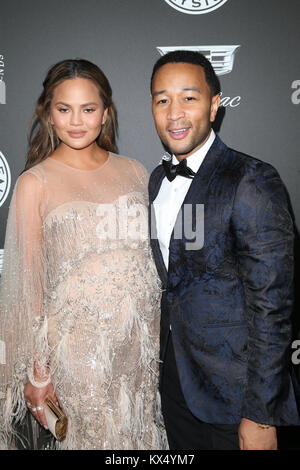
(79, 292)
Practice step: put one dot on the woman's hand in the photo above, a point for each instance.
(36, 397)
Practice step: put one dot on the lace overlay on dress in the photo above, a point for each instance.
(79, 248)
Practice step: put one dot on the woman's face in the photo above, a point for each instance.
(77, 112)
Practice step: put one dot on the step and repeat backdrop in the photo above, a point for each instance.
(252, 44)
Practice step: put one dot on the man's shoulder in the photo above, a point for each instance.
(249, 176)
(243, 163)
(157, 169)
(156, 173)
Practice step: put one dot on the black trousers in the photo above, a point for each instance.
(184, 430)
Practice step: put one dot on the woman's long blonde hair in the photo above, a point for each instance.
(42, 137)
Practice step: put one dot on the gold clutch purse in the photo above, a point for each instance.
(56, 420)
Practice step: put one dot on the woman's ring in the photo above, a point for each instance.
(39, 408)
(34, 410)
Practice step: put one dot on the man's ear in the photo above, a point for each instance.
(215, 103)
(151, 102)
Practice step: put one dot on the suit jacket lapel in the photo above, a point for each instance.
(153, 192)
(197, 192)
(198, 188)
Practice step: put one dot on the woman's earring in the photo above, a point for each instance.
(51, 131)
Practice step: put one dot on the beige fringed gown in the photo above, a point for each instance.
(80, 293)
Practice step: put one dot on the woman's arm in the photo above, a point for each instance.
(29, 206)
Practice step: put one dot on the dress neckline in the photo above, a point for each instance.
(78, 169)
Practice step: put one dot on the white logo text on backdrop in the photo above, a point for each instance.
(222, 60)
(2, 83)
(4, 179)
(195, 7)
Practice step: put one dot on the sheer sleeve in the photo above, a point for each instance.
(22, 327)
(141, 172)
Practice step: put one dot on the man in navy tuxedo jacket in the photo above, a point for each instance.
(222, 239)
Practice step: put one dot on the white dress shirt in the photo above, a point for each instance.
(171, 196)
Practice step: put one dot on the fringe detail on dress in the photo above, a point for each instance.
(138, 418)
(135, 319)
(132, 318)
(147, 353)
(160, 435)
(13, 410)
(125, 407)
(104, 362)
(42, 347)
(112, 433)
(60, 356)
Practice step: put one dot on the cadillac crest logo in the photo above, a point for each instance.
(195, 7)
(221, 57)
(4, 179)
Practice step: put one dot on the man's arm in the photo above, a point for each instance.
(264, 241)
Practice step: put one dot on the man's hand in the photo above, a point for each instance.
(252, 437)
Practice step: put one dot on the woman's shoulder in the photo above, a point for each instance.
(131, 165)
(33, 179)
(29, 178)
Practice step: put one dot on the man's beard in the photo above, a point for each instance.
(190, 149)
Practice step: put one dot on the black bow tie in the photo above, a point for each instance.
(173, 170)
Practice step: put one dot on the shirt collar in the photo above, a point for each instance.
(194, 161)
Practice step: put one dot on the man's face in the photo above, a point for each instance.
(182, 107)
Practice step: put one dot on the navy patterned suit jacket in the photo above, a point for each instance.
(229, 303)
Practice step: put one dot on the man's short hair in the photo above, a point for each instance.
(190, 57)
